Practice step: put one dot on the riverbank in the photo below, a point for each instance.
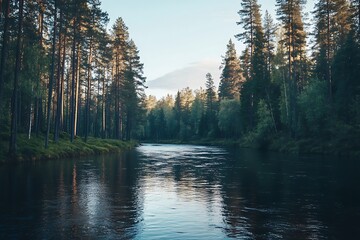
(316, 146)
(280, 143)
(33, 149)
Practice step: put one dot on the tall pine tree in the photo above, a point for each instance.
(231, 78)
(294, 40)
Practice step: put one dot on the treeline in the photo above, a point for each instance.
(292, 81)
(63, 73)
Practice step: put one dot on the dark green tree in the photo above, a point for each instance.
(52, 74)
(293, 40)
(120, 38)
(231, 78)
(15, 94)
(133, 88)
(94, 36)
(209, 119)
(250, 20)
(210, 93)
(269, 40)
(332, 25)
(257, 83)
(346, 79)
(4, 45)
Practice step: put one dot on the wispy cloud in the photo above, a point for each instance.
(192, 76)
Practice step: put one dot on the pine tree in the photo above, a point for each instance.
(120, 38)
(133, 87)
(257, 83)
(250, 20)
(331, 28)
(210, 93)
(346, 79)
(342, 21)
(209, 119)
(15, 95)
(52, 73)
(4, 46)
(97, 19)
(78, 10)
(269, 40)
(177, 113)
(245, 60)
(231, 78)
(294, 40)
(40, 69)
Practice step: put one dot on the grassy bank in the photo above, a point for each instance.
(34, 149)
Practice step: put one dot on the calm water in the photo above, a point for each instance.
(182, 192)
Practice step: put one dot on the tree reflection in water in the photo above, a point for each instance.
(182, 192)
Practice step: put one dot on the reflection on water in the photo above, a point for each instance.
(182, 192)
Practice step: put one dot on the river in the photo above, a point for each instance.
(182, 192)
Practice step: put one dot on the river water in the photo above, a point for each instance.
(182, 192)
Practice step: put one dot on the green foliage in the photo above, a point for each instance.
(231, 78)
(355, 110)
(229, 118)
(265, 124)
(271, 100)
(346, 72)
(314, 106)
(210, 94)
(259, 137)
(33, 149)
(264, 98)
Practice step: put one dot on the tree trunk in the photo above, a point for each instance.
(14, 101)
(51, 80)
(103, 122)
(117, 101)
(96, 125)
(73, 78)
(67, 106)
(62, 84)
(328, 61)
(58, 83)
(4, 46)
(77, 92)
(88, 94)
(30, 116)
(38, 96)
(128, 124)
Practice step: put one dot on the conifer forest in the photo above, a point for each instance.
(295, 81)
(151, 119)
(66, 74)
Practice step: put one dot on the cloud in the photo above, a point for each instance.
(192, 76)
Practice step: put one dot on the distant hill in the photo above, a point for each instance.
(192, 76)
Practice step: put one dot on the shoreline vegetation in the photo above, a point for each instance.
(63, 74)
(277, 144)
(281, 92)
(33, 149)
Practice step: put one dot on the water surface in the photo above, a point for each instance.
(182, 192)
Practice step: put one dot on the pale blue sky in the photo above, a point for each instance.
(177, 36)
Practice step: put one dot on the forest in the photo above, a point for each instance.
(295, 87)
(64, 75)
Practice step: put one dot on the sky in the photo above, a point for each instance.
(181, 40)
